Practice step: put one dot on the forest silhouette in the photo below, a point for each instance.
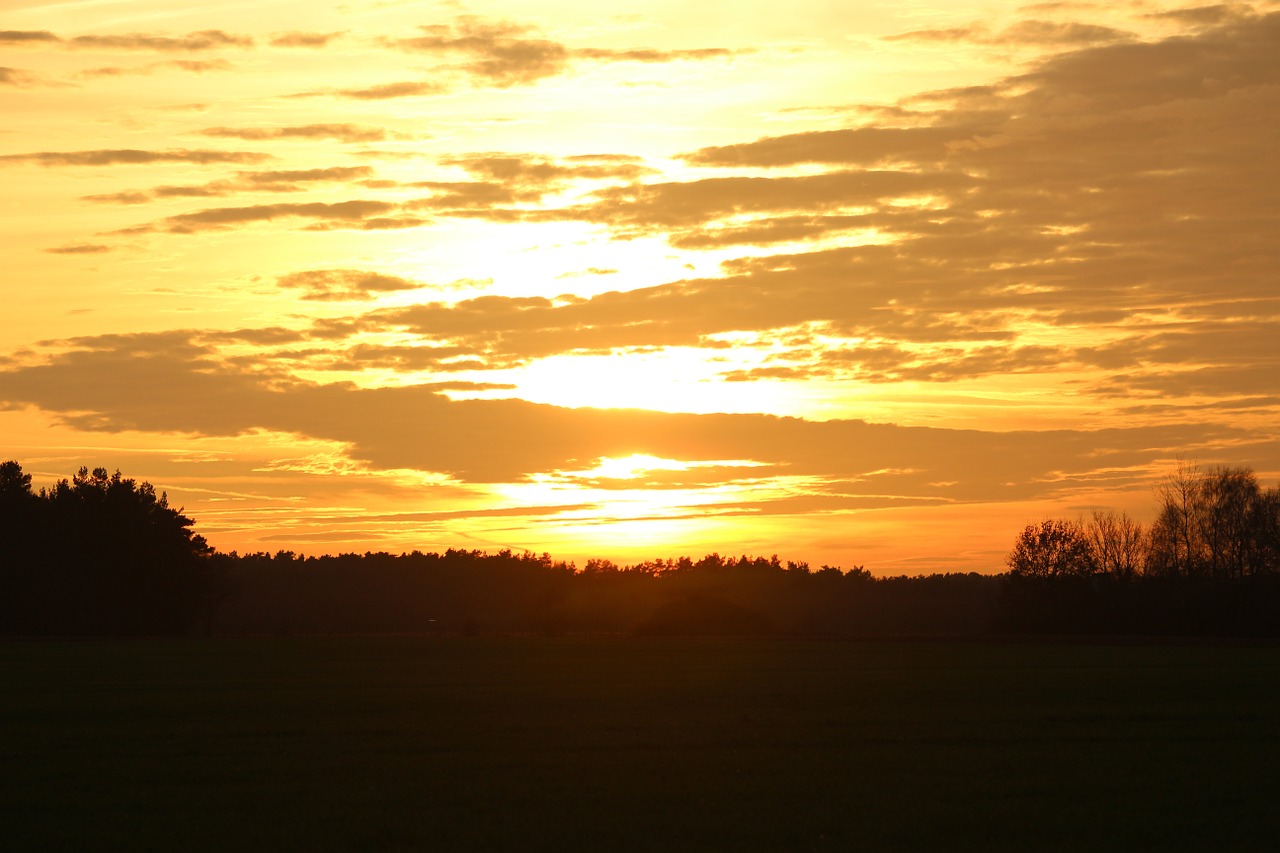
(101, 554)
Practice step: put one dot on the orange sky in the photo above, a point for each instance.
(860, 284)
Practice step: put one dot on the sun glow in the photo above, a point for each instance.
(672, 379)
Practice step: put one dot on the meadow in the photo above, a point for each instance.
(625, 743)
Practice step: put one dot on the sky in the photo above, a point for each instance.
(857, 283)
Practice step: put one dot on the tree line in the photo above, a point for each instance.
(1214, 524)
(102, 554)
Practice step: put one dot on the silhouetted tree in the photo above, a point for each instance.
(1215, 524)
(99, 554)
(1119, 545)
(20, 516)
(1052, 548)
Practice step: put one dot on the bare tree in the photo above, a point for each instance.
(1175, 541)
(1118, 542)
(1215, 523)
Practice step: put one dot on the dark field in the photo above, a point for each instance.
(636, 744)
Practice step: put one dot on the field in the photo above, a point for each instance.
(399, 743)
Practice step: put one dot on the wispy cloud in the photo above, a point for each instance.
(190, 66)
(15, 77)
(304, 39)
(133, 156)
(387, 91)
(79, 249)
(502, 53)
(653, 55)
(1030, 33)
(20, 37)
(273, 181)
(344, 284)
(202, 40)
(339, 132)
(359, 212)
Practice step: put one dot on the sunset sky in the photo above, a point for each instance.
(858, 283)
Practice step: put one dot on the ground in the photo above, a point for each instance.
(473, 743)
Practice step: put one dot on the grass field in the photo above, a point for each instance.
(636, 744)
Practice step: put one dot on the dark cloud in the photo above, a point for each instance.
(202, 40)
(299, 39)
(130, 156)
(19, 37)
(340, 132)
(345, 284)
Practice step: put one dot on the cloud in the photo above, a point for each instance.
(202, 40)
(79, 249)
(131, 156)
(533, 170)
(118, 198)
(15, 77)
(172, 382)
(301, 39)
(1096, 193)
(340, 132)
(507, 180)
(663, 206)
(339, 214)
(1210, 15)
(1029, 33)
(500, 53)
(504, 54)
(387, 91)
(345, 284)
(1051, 33)
(19, 37)
(863, 146)
(651, 55)
(273, 181)
(1103, 219)
(191, 66)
